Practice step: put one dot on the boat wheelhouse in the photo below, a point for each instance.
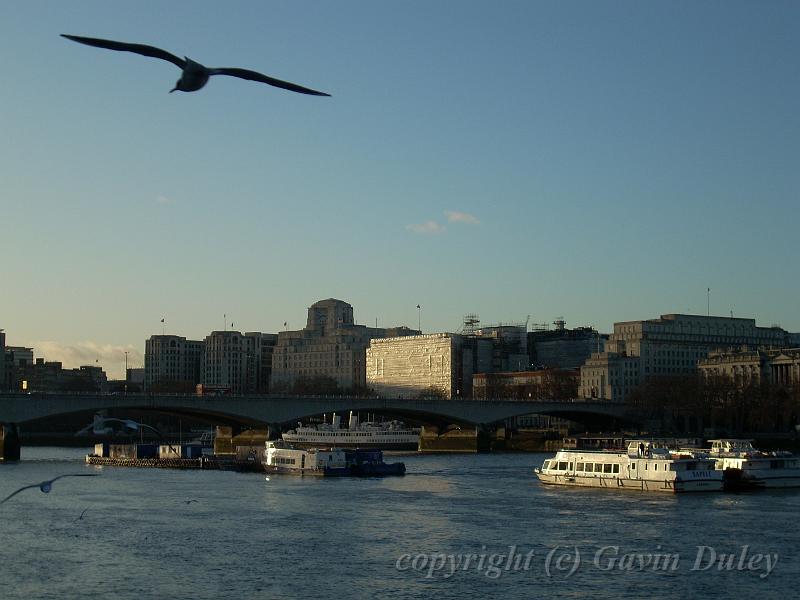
(642, 466)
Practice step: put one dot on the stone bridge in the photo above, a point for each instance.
(258, 410)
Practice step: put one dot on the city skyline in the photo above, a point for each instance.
(600, 163)
(114, 359)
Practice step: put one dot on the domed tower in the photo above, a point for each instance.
(327, 315)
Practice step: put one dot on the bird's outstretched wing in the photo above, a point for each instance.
(142, 49)
(254, 76)
(22, 489)
(74, 475)
(151, 428)
(85, 430)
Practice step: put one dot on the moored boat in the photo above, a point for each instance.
(386, 435)
(641, 467)
(744, 467)
(280, 457)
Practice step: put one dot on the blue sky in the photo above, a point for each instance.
(600, 161)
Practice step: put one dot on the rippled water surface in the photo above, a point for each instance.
(402, 537)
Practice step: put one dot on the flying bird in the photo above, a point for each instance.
(194, 75)
(46, 486)
(128, 425)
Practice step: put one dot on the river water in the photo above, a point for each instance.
(465, 526)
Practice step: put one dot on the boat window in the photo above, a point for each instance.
(546, 464)
(607, 468)
(579, 467)
(570, 466)
(562, 466)
(645, 466)
(633, 466)
(616, 468)
(589, 467)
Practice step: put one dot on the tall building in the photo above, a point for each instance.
(669, 345)
(331, 346)
(238, 362)
(172, 363)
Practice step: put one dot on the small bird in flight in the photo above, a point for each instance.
(46, 486)
(128, 425)
(195, 75)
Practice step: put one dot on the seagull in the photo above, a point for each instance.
(46, 486)
(128, 425)
(83, 513)
(194, 75)
(190, 501)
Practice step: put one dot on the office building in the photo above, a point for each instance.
(330, 348)
(669, 345)
(172, 363)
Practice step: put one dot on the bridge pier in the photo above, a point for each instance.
(461, 439)
(9, 442)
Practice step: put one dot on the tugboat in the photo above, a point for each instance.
(369, 463)
(642, 467)
(745, 468)
(280, 457)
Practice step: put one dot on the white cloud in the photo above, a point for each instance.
(108, 356)
(428, 227)
(455, 216)
(164, 200)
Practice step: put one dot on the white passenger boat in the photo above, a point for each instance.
(641, 467)
(387, 435)
(744, 467)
